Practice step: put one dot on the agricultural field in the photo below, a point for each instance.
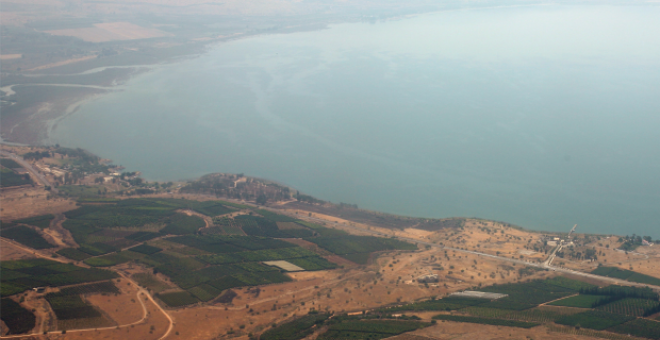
(41, 222)
(9, 163)
(18, 319)
(150, 282)
(26, 236)
(21, 275)
(580, 301)
(625, 274)
(74, 312)
(145, 249)
(178, 299)
(370, 329)
(630, 307)
(296, 329)
(73, 253)
(594, 320)
(639, 327)
(103, 229)
(9, 178)
(526, 295)
(347, 245)
(543, 315)
(485, 321)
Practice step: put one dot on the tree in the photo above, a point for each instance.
(261, 199)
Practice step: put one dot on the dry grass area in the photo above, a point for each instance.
(153, 328)
(122, 308)
(457, 330)
(29, 201)
(10, 251)
(110, 32)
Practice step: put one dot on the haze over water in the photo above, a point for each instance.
(541, 116)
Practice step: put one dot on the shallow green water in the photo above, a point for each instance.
(541, 116)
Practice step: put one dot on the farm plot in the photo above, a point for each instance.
(102, 229)
(18, 319)
(41, 222)
(626, 275)
(358, 248)
(178, 299)
(295, 330)
(530, 315)
(371, 329)
(151, 282)
(145, 249)
(580, 301)
(107, 260)
(9, 178)
(630, 307)
(313, 263)
(526, 295)
(594, 320)
(485, 321)
(575, 285)
(73, 253)
(73, 312)
(27, 274)
(639, 327)
(26, 236)
(9, 163)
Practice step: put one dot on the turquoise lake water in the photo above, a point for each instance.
(542, 116)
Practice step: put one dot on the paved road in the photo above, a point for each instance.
(29, 168)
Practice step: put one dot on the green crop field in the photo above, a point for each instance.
(73, 254)
(486, 321)
(639, 327)
(630, 307)
(370, 329)
(526, 295)
(531, 315)
(27, 274)
(9, 178)
(10, 163)
(569, 283)
(626, 275)
(149, 281)
(70, 306)
(295, 330)
(106, 287)
(182, 224)
(26, 236)
(313, 263)
(18, 319)
(580, 301)
(145, 249)
(107, 260)
(178, 299)
(594, 320)
(42, 221)
(204, 292)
